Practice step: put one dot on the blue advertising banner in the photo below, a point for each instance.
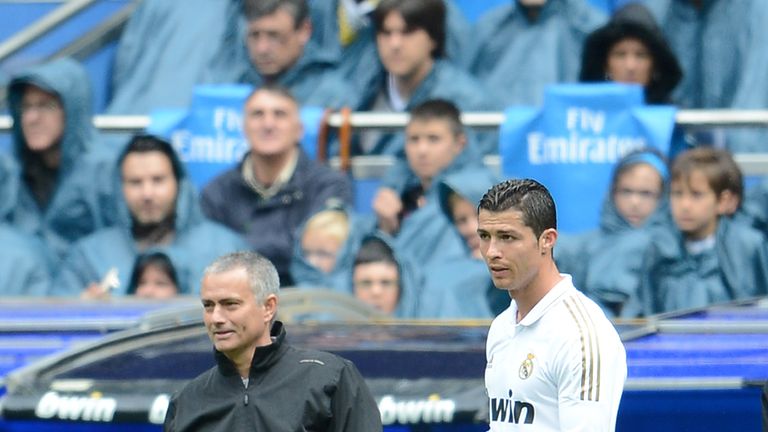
(209, 136)
(572, 143)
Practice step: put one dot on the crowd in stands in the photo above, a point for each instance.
(677, 230)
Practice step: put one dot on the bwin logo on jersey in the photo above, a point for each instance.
(526, 368)
(511, 411)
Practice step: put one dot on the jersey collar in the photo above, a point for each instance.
(546, 302)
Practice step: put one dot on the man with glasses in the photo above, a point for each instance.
(279, 51)
(52, 142)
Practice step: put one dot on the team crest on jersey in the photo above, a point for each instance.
(526, 368)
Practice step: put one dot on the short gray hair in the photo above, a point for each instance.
(262, 275)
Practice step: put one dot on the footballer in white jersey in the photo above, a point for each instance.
(561, 368)
(554, 361)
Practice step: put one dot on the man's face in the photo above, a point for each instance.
(236, 322)
(465, 219)
(271, 124)
(404, 52)
(430, 146)
(377, 284)
(149, 186)
(695, 206)
(155, 283)
(42, 119)
(511, 250)
(630, 61)
(637, 192)
(275, 44)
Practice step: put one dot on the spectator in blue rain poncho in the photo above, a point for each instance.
(344, 28)
(164, 51)
(154, 277)
(386, 278)
(631, 48)
(606, 263)
(460, 286)
(410, 37)
(273, 45)
(707, 257)
(325, 249)
(53, 144)
(406, 206)
(521, 47)
(25, 268)
(721, 48)
(755, 207)
(157, 211)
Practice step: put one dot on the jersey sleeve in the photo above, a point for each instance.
(590, 371)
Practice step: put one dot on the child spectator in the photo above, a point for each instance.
(154, 277)
(709, 257)
(325, 249)
(606, 263)
(407, 205)
(384, 280)
(460, 286)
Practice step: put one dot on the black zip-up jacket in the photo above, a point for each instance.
(289, 390)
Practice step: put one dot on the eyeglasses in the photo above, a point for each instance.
(644, 195)
(43, 107)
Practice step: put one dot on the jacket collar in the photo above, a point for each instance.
(263, 358)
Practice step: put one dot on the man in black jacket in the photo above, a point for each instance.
(260, 382)
(276, 186)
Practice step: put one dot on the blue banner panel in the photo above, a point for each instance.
(573, 141)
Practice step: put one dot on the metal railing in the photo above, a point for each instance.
(42, 26)
(750, 163)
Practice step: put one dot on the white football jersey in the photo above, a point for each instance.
(561, 368)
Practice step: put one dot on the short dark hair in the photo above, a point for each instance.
(274, 88)
(152, 259)
(375, 250)
(438, 109)
(717, 165)
(143, 143)
(529, 197)
(429, 15)
(255, 9)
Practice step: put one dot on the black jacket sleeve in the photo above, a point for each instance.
(354, 408)
(170, 414)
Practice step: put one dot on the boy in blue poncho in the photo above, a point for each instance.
(708, 257)
(325, 248)
(460, 286)
(606, 263)
(385, 278)
(407, 205)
